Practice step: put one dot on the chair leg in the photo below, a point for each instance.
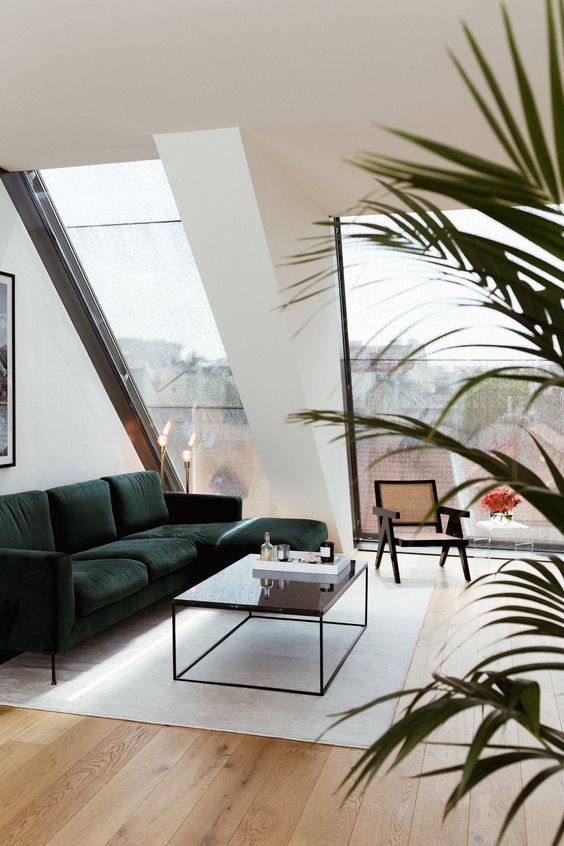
(464, 562)
(53, 668)
(443, 558)
(380, 551)
(395, 565)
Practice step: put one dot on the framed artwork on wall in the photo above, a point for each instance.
(7, 372)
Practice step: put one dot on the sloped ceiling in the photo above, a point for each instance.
(92, 81)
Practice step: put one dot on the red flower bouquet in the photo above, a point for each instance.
(500, 502)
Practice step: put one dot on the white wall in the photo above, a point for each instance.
(66, 427)
(228, 220)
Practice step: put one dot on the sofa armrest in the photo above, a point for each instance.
(203, 508)
(37, 609)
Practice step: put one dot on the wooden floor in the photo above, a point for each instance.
(67, 780)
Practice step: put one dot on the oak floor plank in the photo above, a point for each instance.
(48, 730)
(277, 807)
(167, 806)
(327, 820)
(53, 806)
(490, 801)
(386, 811)
(22, 784)
(14, 720)
(428, 823)
(102, 816)
(216, 816)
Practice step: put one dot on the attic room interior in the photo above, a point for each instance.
(281, 343)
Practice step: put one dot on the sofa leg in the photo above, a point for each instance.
(53, 668)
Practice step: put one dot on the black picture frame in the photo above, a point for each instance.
(7, 370)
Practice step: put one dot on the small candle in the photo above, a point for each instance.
(186, 456)
(162, 440)
(192, 439)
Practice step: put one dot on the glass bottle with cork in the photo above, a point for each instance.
(266, 550)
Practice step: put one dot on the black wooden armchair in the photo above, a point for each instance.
(413, 503)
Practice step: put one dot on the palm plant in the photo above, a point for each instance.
(522, 287)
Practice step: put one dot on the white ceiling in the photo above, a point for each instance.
(89, 81)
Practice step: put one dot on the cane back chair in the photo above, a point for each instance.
(413, 503)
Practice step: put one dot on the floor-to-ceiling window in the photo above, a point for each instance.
(394, 305)
(125, 228)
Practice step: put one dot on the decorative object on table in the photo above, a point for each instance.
(327, 551)
(283, 551)
(415, 503)
(299, 568)
(500, 502)
(266, 549)
(162, 441)
(7, 371)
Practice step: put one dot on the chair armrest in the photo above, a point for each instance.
(453, 512)
(37, 609)
(203, 508)
(385, 512)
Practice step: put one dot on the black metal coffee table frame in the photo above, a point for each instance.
(282, 615)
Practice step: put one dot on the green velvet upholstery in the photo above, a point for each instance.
(226, 542)
(102, 618)
(137, 500)
(100, 583)
(37, 609)
(81, 515)
(203, 508)
(25, 522)
(159, 555)
(248, 535)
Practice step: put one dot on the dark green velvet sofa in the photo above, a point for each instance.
(78, 558)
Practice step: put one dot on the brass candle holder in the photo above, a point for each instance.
(186, 458)
(162, 441)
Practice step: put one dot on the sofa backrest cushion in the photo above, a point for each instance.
(25, 522)
(138, 501)
(82, 515)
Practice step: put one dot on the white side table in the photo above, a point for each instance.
(516, 536)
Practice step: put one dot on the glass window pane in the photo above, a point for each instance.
(125, 228)
(390, 296)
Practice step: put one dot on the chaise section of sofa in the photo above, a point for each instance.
(79, 558)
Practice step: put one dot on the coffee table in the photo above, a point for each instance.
(236, 589)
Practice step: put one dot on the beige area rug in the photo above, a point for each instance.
(126, 671)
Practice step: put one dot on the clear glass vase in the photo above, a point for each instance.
(501, 516)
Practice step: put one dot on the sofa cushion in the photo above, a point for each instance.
(25, 522)
(82, 515)
(137, 501)
(160, 556)
(207, 533)
(244, 536)
(99, 583)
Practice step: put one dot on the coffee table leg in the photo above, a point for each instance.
(321, 656)
(173, 641)
(366, 597)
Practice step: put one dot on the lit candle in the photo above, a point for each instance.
(186, 456)
(192, 439)
(167, 428)
(162, 440)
